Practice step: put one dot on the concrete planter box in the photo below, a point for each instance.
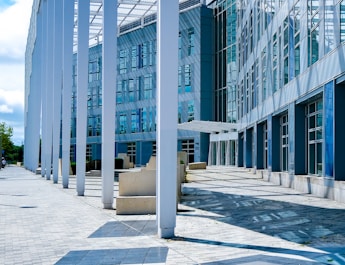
(317, 186)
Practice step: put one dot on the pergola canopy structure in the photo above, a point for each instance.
(208, 126)
(60, 28)
(129, 15)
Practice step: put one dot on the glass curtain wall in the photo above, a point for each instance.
(225, 61)
(314, 121)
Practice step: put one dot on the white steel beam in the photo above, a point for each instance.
(49, 88)
(35, 93)
(44, 10)
(58, 12)
(167, 98)
(82, 87)
(68, 24)
(109, 51)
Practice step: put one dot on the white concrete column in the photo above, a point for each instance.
(68, 24)
(58, 12)
(109, 51)
(35, 101)
(210, 153)
(218, 158)
(82, 86)
(227, 153)
(44, 41)
(167, 104)
(49, 88)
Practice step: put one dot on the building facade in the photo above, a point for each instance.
(223, 142)
(136, 87)
(272, 69)
(290, 92)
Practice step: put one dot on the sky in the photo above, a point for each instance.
(14, 25)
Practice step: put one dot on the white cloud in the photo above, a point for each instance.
(5, 109)
(12, 84)
(14, 25)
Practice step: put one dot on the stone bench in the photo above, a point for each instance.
(137, 193)
(197, 165)
(137, 190)
(135, 205)
(126, 161)
(142, 183)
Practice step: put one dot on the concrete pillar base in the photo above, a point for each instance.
(107, 206)
(166, 232)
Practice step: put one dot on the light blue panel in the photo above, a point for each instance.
(248, 148)
(204, 145)
(299, 140)
(259, 147)
(120, 148)
(291, 50)
(291, 117)
(241, 150)
(96, 151)
(245, 148)
(269, 142)
(255, 147)
(143, 153)
(328, 129)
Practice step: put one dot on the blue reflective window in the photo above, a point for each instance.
(135, 121)
(187, 78)
(190, 110)
(330, 41)
(119, 92)
(342, 20)
(123, 61)
(191, 41)
(148, 85)
(123, 123)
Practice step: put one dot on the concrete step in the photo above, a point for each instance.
(141, 183)
(135, 205)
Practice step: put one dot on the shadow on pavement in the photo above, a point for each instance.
(126, 229)
(262, 260)
(293, 222)
(116, 256)
(314, 257)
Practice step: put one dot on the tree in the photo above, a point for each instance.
(6, 144)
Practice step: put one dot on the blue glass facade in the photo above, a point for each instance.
(329, 128)
(136, 88)
(292, 101)
(276, 68)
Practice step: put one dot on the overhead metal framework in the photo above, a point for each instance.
(208, 126)
(131, 14)
(128, 12)
(49, 55)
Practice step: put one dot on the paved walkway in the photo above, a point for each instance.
(227, 216)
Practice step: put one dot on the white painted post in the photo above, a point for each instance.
(109, 51)
(167, 103)
(210, 153)
(82, 87)
(218, 148)
(44, 10)
(36, 99)
(58, 12)
(68, 24)
(227, 153)
(49, 88)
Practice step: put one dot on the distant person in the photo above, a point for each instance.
(3, 162)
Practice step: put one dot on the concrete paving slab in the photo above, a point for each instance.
(227, 216)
